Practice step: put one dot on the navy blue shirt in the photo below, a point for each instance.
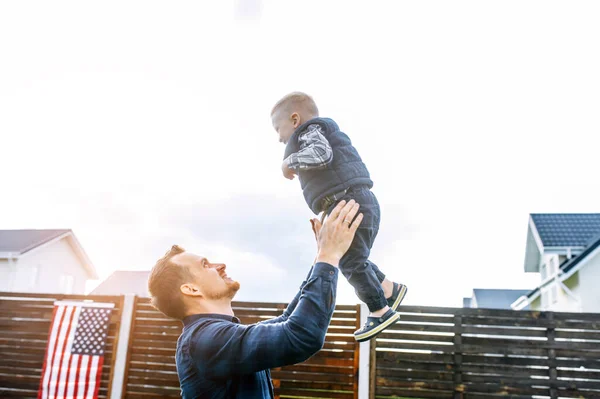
(217, 357)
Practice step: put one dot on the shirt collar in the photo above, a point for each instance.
(195, 317)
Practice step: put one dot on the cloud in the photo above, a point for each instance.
(150, 134)
(275, 231)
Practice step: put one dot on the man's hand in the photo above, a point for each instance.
(287, 172)
(336, 234)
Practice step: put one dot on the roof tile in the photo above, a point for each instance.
(566, 229)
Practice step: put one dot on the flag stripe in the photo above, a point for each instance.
(49, 349)
(83, 369)
(71, 378)
(52, 353)
(55, 355)
(98, 374)
(77, 381)
(62, 340)
(65, 369)
(65, 356)
(91, 389)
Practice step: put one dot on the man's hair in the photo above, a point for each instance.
(297, 101)
(163, 284)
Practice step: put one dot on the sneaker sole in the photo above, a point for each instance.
(401, 295)
(368, 335)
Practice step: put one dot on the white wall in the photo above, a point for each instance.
(6, 275)
(43, 269)
(565, 302)
(589, 283)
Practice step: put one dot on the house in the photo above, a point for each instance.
(565, 250)
(44, 261)
(493, 298)
(124, 282)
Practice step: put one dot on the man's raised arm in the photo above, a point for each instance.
(225, 349)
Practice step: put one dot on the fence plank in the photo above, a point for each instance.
(416, 392)
(415, 337)
(321, 385)
(355, 372)
(458, 355)
(404, 325)
(504, 331)
(329, 370)
(311, 393)
(282, 375)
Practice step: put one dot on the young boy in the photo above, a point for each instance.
(330, 170)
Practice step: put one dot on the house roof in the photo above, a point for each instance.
(19, 242)
(566, 229)
(572, 263)
(15, 243)
(124, 282)
(497, 298)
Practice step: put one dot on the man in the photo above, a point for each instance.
(217, 357)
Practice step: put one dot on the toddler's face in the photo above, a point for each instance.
(284, 125)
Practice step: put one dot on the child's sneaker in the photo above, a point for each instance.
(398, 294)
(375, 325)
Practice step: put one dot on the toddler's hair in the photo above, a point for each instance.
(297, 101)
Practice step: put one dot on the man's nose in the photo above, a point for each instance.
(220, 266)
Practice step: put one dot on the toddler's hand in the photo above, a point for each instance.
(287, 172)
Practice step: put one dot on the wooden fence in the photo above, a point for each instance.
(24, 326)
(331, 373)
(485, 353)
(430, 353)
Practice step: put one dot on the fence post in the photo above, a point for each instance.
(552, 373)
(120, 364)
(458, 388)
(364, 372)
(373, 369)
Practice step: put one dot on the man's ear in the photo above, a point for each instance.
(190, 289)
(295, 118)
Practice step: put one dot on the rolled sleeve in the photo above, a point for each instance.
(325, 270)
(315, 151)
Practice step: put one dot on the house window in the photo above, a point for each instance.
(550, 267)
(66, 284)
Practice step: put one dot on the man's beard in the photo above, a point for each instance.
(229, 292)
(234, 286)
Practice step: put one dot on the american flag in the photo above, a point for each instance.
(75, 351)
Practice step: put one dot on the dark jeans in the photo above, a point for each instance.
(355, 265)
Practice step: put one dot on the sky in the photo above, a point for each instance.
(143, 124)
